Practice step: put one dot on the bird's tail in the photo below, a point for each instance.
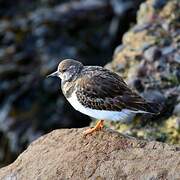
(153, 107)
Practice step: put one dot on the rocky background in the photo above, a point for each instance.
(34, 37)
(149, 60)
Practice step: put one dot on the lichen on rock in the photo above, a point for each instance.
(149, 61)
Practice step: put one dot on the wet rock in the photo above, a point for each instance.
(152, 54)
(9, 38)
(121, 7)
(137, 84)
(21, 24)
(159, 4)
(142, 27)
(177, 73)
(176, 110)
(43, 15)
(51, 85)
(142, 69)
(2, 53)
(160, 65)
(168, 50)
(24, 57)
(8, 71)
(166, 27)
(41, 32)
(178, 124)
(118, 49)
(154, 96)
(177, 58)
(4, 25)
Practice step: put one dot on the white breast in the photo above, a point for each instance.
(123, 115)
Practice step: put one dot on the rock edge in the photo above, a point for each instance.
(67, 154)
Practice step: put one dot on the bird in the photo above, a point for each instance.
(99, 93)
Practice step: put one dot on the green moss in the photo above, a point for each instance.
(170, 129)
(165, 131)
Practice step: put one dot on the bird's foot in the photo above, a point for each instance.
(98, 127)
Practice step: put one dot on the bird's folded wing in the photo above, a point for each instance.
(107, 91)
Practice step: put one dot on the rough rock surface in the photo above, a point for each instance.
(67, 154)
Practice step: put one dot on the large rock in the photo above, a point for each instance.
(67, 154)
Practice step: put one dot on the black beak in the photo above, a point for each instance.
(53, 74)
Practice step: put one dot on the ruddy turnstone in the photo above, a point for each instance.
(99, 93)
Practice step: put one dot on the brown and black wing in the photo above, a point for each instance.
(102, 89)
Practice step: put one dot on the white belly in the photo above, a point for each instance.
(123, 115)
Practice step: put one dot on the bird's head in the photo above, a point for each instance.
(67, 70)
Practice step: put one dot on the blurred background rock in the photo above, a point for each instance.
(34, 37)
(149, 60)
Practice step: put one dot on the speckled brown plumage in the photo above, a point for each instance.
(101, 89)
(99, 93)
(98, 88)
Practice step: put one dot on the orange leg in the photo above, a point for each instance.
(98, 127)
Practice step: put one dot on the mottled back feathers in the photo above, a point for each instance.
(101, 89)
